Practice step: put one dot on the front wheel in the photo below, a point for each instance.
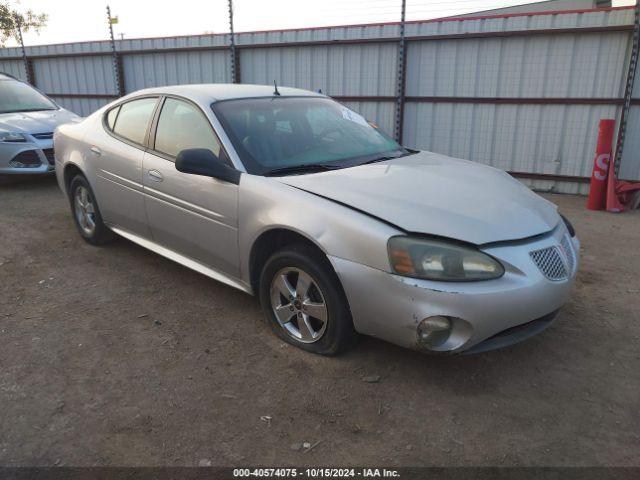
(86, 213)
(303, 301)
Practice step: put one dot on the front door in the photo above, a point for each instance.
(192, 215)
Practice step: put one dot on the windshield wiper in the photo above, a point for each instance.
(310, 168)
(388, 157)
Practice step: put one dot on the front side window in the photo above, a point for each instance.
(277, 133)
(182, 125)
(133, 119)
(19, 97)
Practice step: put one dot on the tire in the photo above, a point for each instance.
(92, 229)
(320, 286)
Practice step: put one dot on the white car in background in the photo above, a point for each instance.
(27, 121)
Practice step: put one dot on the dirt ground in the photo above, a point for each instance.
(117, 356)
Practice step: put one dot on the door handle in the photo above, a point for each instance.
(96, 151)
(155, 175)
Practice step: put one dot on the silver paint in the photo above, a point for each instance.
(29, 123)
(350, 214)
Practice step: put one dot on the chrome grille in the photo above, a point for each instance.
(549, 261)
(569, 252)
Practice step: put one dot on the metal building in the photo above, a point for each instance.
(521, 91)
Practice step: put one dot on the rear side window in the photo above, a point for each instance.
(182, 125)
(111, 117)
(133, 119)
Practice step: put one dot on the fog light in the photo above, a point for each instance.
(26, 159)
(19, 164)
(434, 331)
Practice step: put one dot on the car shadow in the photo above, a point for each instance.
(470, 375)
(27, 181)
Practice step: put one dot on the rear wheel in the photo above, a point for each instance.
(86, 213)
(303, 301)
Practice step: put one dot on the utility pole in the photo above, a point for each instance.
(27, 66)
(400, 80)
(114, 54)
(232, 47)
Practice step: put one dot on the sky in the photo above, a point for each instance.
(86, 20)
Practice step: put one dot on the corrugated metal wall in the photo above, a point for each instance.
(549, 139)
(630, 162)
(342, 70)
(14, 68)
(522, 92)
(554, 66)
(79, 75)
(159, 69)
(82, 106)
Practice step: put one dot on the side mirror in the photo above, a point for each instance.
(202, 161)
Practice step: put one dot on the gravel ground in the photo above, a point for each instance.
(117, 356)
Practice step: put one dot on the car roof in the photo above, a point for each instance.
(6, 76)
(213, 92)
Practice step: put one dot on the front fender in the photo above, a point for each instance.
(339, 231)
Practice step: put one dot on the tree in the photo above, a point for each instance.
(11, 21)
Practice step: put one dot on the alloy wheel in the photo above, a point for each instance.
(299, 305)
(84, 210)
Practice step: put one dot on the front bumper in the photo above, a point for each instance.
(390, 306)
(39, 154)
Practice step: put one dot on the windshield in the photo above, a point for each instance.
(275, 133)
(19, 97)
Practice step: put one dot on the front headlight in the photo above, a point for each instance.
(12, 137)
(567, 224)
(440, 260)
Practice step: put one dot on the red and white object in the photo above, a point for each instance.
(598, 190)
(613, 202)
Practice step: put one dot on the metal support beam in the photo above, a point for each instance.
(28, 66)
(235, 71)
(117, 65)
(120, 75)
(628, 92)
(31, 72)
(401, 78)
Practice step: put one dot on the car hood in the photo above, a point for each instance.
(437, 195)
(36, 122)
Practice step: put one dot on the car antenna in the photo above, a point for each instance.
(275, 92)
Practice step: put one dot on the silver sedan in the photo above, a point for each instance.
(338, 229)
(27, 121)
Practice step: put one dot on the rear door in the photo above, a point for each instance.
(117, 156)
(192, 215)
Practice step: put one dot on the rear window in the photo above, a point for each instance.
(111, 117)
(133, 119)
